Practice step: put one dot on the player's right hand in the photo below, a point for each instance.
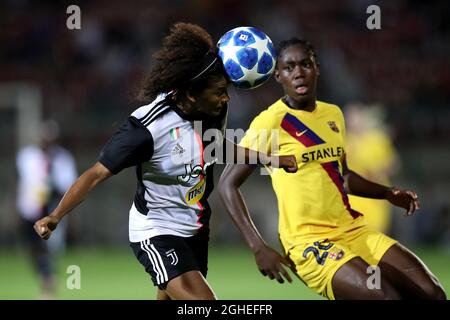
(270, 264)
(288, 163)
(45, 226)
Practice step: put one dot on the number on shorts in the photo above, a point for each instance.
(315, 251)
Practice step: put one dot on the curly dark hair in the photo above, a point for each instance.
(179, 60)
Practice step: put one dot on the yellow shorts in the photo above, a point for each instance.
(317, 261)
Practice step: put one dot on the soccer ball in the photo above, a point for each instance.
(248, 56)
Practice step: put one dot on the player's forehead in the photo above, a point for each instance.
(217, 82)
(294, 53)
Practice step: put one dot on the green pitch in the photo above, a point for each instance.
(116, 274)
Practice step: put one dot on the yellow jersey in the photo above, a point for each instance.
(312, 202)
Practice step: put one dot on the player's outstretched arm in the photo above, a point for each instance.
(74, 196)
(269, 262)
(248, 156)
(358, 186)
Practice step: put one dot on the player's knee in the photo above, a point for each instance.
(206, 296)
(439, 294)
(211, 297)
(434, 292)
(391, 295)
(200, 293)
(387, 292)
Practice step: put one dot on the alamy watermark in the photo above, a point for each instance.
(73, 21)
(373, 22)
(220, 148)
(73, 281)
(374, 280)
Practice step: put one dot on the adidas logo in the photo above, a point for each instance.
(178, 150)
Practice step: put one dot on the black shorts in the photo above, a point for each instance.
(40, 252)
(29, 235)
(166, 257)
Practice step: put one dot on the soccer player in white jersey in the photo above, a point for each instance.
(44, 172)
(168, 220)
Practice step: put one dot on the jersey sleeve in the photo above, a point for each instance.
(341, 123)
(131, 145)
(340, 119)
(262, 133)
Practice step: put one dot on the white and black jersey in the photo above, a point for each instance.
(174, 182)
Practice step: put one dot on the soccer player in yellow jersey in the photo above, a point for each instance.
(370, 152)
(326, 243)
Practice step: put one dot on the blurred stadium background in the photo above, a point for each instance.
(87, 80)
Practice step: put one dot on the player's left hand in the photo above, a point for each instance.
(405, 199)
(288, 163)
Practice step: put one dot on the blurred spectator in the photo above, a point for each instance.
(116, 39)
(371, 153)
(45, 171)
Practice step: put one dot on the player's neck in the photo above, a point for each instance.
(308, 105)
(189, 112)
